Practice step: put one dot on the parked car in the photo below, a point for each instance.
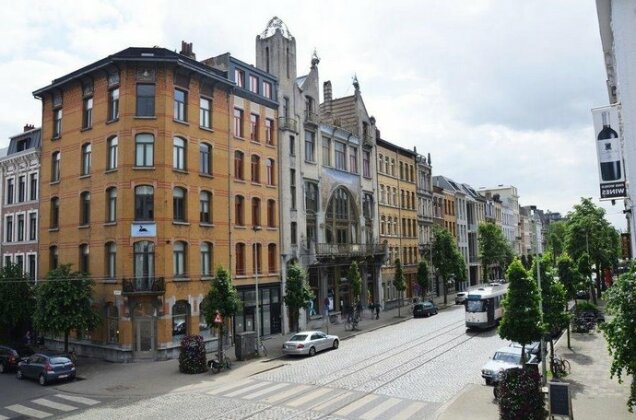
(461, 297)
(533, 348)
(505, 358)
(11, 356)
(46, 367)
(424, 308)
(583, 294)
(309, 343)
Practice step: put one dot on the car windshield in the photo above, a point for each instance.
(475, 306)
(59, 360)
(299, 337)
(427, 304)
(508, 357)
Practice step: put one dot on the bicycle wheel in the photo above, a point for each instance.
(565, 366)
(263, 349)
(555, 366)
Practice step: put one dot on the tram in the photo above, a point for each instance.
(484, 306)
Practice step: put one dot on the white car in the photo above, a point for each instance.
(461, 297)
(505, 358)
(309, 343)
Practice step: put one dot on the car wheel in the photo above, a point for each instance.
(42, 380)
(2, 369)
(312, 351)
(71, 378)
(336, 343)
(488, 381)
(19, 374)
(435, 312)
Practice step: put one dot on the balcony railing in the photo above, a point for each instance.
(349, 250)
(287, 123)
(144, 286)
(311, 118)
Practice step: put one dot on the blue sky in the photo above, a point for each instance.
(499, 92)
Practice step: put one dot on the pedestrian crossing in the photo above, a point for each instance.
(43, 407)
(333, 402)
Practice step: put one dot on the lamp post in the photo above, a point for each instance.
(538, 259)
(257, 228)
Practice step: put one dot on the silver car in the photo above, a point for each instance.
(309, 343)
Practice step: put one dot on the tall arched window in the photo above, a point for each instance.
(271, 213)
(86, 159)
(272, 257)
(55, 213)
(111, 205)
(112, 149)
(179, 204)
(144, 150)
(256, 168)
(111, 260)
(238, 164)
(207, 259)
(271, 171)
(239, 210)
(85, 208)
(240, 259)
(55, 166)
(180, 312)
(341, 219)
(144, 203)
(256, 211)
(179, 259)
(84, 262)
(144, 259)
(179, 153)
(53, 257)
(205, 206)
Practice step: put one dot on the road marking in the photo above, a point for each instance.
(293, 391)
(331, 401)
(81, 400)
(264, 391)
(409, 411)
(53, 404)
(370, 415)
(28, 411)
(348, 409)
(233, 385)
(309, 397)
(247, 389)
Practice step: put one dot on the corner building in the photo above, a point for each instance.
(137, 191)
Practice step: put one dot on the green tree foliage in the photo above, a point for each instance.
(553, 299)
(520, 396)
(63, 303)
(446, 257)
(620, 330)
(584, 267)
(422, 277)
(16, 300)
(569, 276)
(521, 320)
(192, 355)
(222, 298)
(493, 247)
(589, 232)
(398, 281)
(298, 294)
(556, 238)
(356, 281)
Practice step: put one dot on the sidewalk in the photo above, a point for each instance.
(594, 395)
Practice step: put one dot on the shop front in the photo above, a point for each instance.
(270, 306)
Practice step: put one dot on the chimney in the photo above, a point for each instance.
(28, 127)
(326, 88)
(186, 49)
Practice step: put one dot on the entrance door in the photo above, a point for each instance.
(144, 329)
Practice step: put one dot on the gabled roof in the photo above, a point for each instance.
(447, 184)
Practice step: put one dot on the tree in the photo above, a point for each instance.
(446, 257)
(556, 238)
(569, 276)
(422, 277)
(398, 281)
(492, 247)
(222, 298)
(620, 330)
(589, 232)
(63, 303)
(520, 395)
(356, 282)
(16, 300)
(585, 269)
(521, 320)
(298, 294)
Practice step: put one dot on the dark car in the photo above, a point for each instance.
(424, 308)
(11, 356)
(583, 294)
(46, 367)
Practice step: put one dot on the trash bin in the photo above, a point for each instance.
(245, 345)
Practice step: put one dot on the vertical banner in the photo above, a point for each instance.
(611, 168)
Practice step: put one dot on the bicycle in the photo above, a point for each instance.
(559, 367)
(352, 321)
(216, 366)
(261, 349)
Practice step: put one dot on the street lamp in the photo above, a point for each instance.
(257, 228)
(538, 259)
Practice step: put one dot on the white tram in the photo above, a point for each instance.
(484, 306)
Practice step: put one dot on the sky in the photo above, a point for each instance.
(497, 91)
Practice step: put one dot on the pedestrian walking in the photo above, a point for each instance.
(377, 311)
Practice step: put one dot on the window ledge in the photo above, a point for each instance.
(56, 137)
(180, 171)
(270, 145)
(180, 223)
(241, 227)
(310, 162)
(110, 281)
(54, 182)
(181, 279)
(271, 186)
(85, 129)
(110, 224)
(114, 120)
(84, 226)
(240, 181)
(256, 183)
(239, 138)
(54, 229)
(85, 176)
(272, 228)
(206, 225)
(211, 130)
(256, 142)
(204, 175)
(182, 122)
(110, 171)
(207, 278)
(144, 168)
(145, 117)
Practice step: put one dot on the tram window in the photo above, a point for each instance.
(475, 306)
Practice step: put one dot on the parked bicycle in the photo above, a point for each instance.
(558, 366)
(216, 366)
(353, 318)
(260, 348)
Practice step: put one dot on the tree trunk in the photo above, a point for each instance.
(445, 290)
(220, 343)
(399, 303)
